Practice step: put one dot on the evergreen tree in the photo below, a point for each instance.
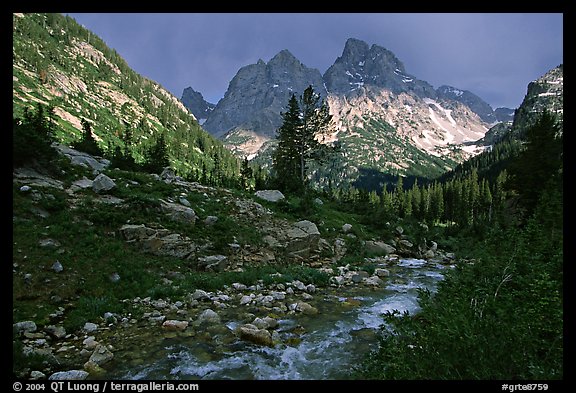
(298, 137)
(246, 175)
(88, 144)
(156, 157)
(540, 161)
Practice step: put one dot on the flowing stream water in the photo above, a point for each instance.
(328, 346)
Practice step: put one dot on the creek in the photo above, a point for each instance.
(323, 346)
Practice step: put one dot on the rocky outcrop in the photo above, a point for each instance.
(103, 183)
(97, 164)
(303, 239)
(158, 241)
(196, 104)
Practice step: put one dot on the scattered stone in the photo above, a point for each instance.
(381, 272)
(245, 300)
(90, 342)
(346, 228)
(199, 294)
(57, 267)
(101, 355)
(299, 285)
(90, 327)
(405, 243)
(184, 201)
(56, 331)
(373, 281)
(238, 286)
(25, 188)
(173, 324)
(82, 159)
(71, 375)
(318, 202)
(178, 212)
(114, 277)
(93, 368)
(307, 296)
(429, 254)
(103, 183)
(217, 263)
(379, 248)
(24, 327)
(359, 276)
(210, 220)
(399, 230)
(36, 375)
(306, 308)
(310, 288)
(49, 243)
(208, 316)
(270, 195)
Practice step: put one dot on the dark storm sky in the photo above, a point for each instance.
(493, 55)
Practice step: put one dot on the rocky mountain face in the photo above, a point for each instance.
(361, 65)
(385, 118)
(504, 114)
(58, 63)
(471, 100)
(196, 103)
(258, 94)
(545, 93)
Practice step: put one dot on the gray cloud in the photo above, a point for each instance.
(493, 55)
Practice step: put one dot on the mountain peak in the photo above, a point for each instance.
(196, 103)
(361, 65)
(283, 57)
(477, 104)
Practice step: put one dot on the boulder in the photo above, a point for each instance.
(217, 263)
(55, 331)
(346, 228)
(179, 213)
(103, 183)
(101, 355)
(257, 336)
(318, 202)
(57, 267)
(90, 327)
(373, 281)
(270, 195)
(378, 248)
(25, 327)
(306, 308)
(210, 220)
(82, 159)
(173, 324)
(208, 316)
(381, 272)
(303, 238)
(71, 375)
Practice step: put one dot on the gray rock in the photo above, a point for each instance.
(102, 183)
(25, 327)
(90, 327)
(71, 375)
(49, 243)
(36, 375)
(179, 213)
(208, 316)
(381, 272)
(318, 202)
(270, 195)
(378, 248)
(405, 243)
(184, 201)
(299, 285)
(245, 300)
(434, 246)
(210, 220)
(238, 286)
(114, 277)
(306, 308)
(168, 175)
(90, 342)
(82, 159)
(217, 263)
(199, 294)
(25, 188)
(429, 254)
(81, 184)
(373, 281)
(346, 228)
(101, 355)
(310, 288)
(57, 267)
(399, 230)
(56, 331)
